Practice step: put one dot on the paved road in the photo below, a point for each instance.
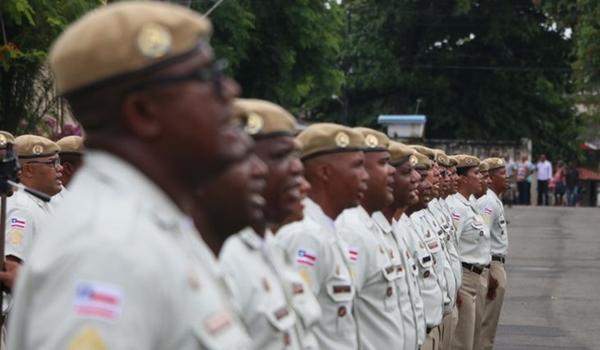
(553, 299)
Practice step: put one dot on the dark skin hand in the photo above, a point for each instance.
(9, 275)
(492, 287)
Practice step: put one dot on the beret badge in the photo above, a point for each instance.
(342, 139)
(254, 123)
(154, 41)
(371, 141)
(37, 149)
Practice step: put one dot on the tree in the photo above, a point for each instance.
(285, 51)
(482, 69)
(28, 28)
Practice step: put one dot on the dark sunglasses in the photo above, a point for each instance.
(214, 73)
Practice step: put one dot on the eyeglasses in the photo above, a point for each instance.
(214, 74)
(52, 162)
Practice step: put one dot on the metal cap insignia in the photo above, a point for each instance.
(37, 149)
(254, 123)
(342, 139)
(413, 160)
(371, 141)
(2, 140)
(154, 40)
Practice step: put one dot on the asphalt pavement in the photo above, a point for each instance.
(553, 268)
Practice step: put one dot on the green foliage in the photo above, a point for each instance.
(281, 50)
(482, 69)
(29, 28)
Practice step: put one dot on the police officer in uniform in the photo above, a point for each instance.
(492, 211)
(334, 166)
(120, 263)
(261, 271)
(26, 214)
(473, 238)
(375, 261)
(409, 295)
(71, 154)
(424, 244)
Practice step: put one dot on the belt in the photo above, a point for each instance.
(499, 258)
(429, 329)
(473, 268)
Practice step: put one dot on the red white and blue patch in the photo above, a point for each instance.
(487, 211)
(306, 257)
(455, 216)
(17, 223)
(98, 300)
(353, 253)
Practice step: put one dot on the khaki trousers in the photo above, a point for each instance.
(432, 340)
(493, 307)
(448, 328)
(470, 313)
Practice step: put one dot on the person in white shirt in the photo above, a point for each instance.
(473, 238)
(406, 180)
(544, 174)
(492, 210)
(376, 266)
(334, 166)
(119, 265)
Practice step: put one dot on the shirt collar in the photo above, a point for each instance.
(314, 211)
(382, 222)
(251, 238)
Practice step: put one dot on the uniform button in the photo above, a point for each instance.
(389, 291)
(426, 274)
(342, 311)
(287, 340)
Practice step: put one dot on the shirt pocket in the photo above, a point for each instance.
(424, 263)
(390, 299)
(341, 292)
(502, 224)
(305, 304)
(220, 330)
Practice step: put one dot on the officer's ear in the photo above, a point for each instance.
(26, 171)
(141, 115)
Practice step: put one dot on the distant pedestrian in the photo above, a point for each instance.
(544, 174)
(572, 184)
(559, 183)
(524, 170)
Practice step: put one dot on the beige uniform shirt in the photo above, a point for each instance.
(404, 270)
(305, 304)
(400, 232)
(376, 273)
(119, 267)
(318, 253)
(473, 235)
(492, 211)
(431, 291)
(25, 218)
(259, 292)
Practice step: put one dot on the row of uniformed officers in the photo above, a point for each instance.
(182, 232)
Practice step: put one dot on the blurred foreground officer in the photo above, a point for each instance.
(128, 270)
(409, 295)
(375, 263)
(334, 167)
(265, 281)
(492, 211)
(71, 156)
(473, 238)
(5, 138)
(25, 213)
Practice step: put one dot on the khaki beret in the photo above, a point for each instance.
(400, 153)
(263, 118)
(124, 38)
(495, 163)
(34, 146)
(374, 140)
(71, 144)
(441, 158)
(452, 161)
(6, 137)
(325, 138)
(483, 166)
(423, 162)
(466, 161)
(426, 151)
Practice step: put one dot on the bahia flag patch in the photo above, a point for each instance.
(97, 300)
(455, 216)
(17, 223)
(353, 253)
(487, 211)
(306, 257)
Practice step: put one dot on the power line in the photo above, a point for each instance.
(214, 7)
